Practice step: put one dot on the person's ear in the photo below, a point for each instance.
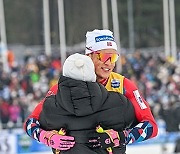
(90, 55)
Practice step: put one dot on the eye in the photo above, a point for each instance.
(98, 56)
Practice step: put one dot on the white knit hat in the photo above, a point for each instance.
(79, 67)
(98, 40)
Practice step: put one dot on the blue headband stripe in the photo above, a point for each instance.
(104, 38)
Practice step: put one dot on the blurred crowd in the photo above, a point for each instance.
(24, 85)
(27, 82)
(158, 79)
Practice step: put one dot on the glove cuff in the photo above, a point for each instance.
(114, 136)
(122, 137)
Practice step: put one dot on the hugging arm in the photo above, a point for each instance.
(146, 127)
(50, 138)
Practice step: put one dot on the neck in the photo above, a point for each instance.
(102, 81)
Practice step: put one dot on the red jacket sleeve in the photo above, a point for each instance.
(142, 109)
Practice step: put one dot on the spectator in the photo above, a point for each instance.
(4, 113)
(14, 112)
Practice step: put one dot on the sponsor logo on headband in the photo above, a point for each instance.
(104, 38)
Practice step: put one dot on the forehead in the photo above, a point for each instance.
(108, 51)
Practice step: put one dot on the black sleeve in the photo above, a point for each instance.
(129, 113)
(47, 108)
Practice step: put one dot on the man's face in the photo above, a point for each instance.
(102, 69)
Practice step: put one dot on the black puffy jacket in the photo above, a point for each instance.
(80, 106)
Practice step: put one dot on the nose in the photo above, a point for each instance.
(108, 62)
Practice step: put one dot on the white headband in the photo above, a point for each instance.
(98, 40)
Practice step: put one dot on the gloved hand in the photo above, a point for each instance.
(106, 139)
(56, 141)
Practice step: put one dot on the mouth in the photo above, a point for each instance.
(106, 69)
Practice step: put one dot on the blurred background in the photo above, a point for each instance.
(36, 36)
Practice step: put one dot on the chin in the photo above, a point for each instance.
(105, 76)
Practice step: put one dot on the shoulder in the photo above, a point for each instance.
(52, 90)
(126, 80)
(116, 75)
(129, 84)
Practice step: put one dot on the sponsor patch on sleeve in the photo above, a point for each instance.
(139, 100)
